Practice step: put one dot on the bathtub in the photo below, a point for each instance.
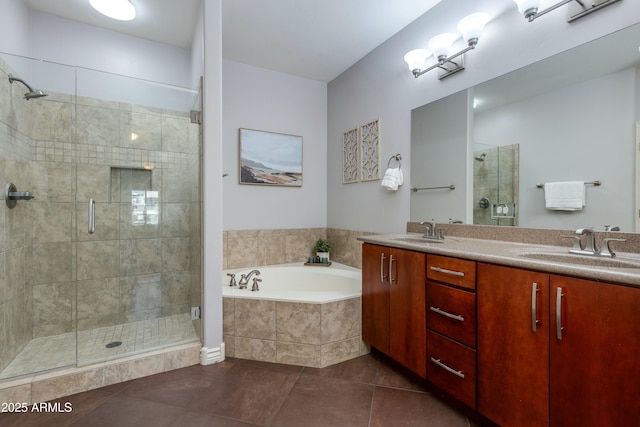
(302, 315)
(298, 283)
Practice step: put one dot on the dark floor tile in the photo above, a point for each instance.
(78, 405)
(326, 402)
(246, 393)
(391, 375)
(394, 407)
(179, 387)
(124, 411)
(363, 369)
(199, 419)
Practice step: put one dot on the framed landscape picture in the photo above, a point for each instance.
(268, 158)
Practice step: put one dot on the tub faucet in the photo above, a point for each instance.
(244, 278)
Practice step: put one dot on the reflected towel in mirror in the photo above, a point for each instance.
(565, 196)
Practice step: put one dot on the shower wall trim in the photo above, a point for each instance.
(66, 382)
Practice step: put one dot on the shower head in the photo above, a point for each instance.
(481, 157)
(32, 94)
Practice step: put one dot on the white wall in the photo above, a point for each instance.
(380, 85)
(260, 99)
(564, 137)
(14, 28)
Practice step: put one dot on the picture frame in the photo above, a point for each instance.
(270, 158)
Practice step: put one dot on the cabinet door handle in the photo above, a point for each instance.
(559, 327)
(447, 314)
(92, 216)
(534, 307)
(382, 276)
(391, 279)
(445, 271)
(447, 368)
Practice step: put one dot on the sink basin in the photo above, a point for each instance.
(586, 260)
(417, 240)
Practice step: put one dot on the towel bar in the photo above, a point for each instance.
(595, 183)
(450, 187)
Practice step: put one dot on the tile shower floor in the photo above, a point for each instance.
(58, 351)
(365, 392)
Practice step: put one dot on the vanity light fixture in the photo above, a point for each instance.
(122, 10)
(529, 8)
(470, 27)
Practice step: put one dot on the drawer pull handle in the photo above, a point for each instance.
(447, 368)
(445, 271)
(391, 279)
(446, 314)
(382, 276)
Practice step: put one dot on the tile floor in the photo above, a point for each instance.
(368, 391)
(57, 351)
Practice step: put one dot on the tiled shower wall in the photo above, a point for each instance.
(249, 248)
(62, 149)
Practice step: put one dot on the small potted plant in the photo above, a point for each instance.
(322, 249)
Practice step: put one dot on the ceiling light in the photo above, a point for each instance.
(122, 10)
(529, 8)
(470, 27)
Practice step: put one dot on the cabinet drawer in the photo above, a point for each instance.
(452, 312)
(454, 271)
(452, 367)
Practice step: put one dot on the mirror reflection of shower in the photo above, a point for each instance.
(495, 184)
(32, 94)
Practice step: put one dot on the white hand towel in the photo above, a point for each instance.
(565, 196)
(392, 179)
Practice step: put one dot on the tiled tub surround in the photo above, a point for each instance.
(55, 278)
(246, 248)
(305, 316)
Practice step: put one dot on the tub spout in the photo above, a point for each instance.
(244, 278)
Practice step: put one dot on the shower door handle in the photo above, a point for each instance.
(92, 216)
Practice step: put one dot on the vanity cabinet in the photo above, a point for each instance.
(393, 304)
(555, 350)
(451, 323)
(595, 356)
(513, 346)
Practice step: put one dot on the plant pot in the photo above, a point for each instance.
(324, 257)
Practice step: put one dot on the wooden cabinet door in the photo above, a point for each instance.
(513, 358)
(407, 299)
(375, 296)
(595, 358)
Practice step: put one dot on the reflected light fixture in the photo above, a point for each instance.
(122, 10)
(529, 8)
(470, 27)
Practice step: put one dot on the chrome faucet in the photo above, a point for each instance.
(431, 231)
(588, 247)
(244, 278)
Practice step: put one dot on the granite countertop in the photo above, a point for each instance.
(546, 258)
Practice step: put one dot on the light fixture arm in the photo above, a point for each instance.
(445, 59)
(532, 14)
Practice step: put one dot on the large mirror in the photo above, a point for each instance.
(570, 117)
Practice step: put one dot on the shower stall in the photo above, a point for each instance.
(495, 184)
(103, 260)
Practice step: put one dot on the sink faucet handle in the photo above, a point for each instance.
(605, 250)
(577, 243)
(232, 281)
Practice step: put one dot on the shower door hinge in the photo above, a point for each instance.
(196, 117)
(195, 313)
